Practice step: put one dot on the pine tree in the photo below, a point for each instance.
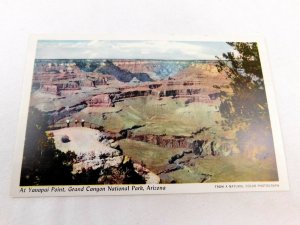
(247, 103)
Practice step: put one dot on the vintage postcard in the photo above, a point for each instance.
(116, 116)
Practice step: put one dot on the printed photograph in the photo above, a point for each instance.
(147, 112)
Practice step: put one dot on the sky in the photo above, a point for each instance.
(103, 49)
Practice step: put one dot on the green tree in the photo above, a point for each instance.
(247, 102)
(244, 105)
(42, 163)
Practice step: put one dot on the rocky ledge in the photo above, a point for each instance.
(99, 158)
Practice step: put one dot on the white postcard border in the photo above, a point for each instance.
(21, 191)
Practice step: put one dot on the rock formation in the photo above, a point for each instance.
(162, 140)
(100, 155)
(102, 100)
(110, 68)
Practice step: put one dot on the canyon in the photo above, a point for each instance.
(163, 115)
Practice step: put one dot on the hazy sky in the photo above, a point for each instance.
(56, 49)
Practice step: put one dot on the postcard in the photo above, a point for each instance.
(120, 116)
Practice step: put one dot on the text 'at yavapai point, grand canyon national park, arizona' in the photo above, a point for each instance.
(145, 112)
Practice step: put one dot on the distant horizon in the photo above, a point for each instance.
(131, 50)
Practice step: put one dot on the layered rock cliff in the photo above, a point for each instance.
(110, 68)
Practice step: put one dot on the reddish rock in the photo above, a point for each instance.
(162, 140)
(102, 100)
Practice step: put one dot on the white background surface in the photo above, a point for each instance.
(277, 21)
